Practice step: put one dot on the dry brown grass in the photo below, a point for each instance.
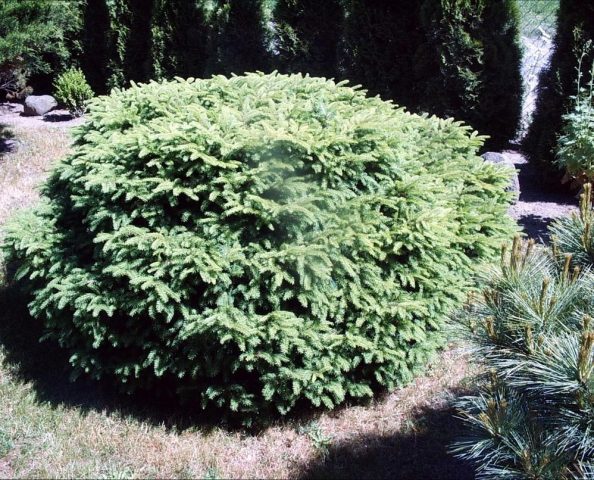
(21, 172)
(53, 428)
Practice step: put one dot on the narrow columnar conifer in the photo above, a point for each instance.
(239, 38)
(452, 58)
(181, 35)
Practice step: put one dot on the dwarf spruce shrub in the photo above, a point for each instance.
(258, 240)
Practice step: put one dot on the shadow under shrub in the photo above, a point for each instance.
(258, 241)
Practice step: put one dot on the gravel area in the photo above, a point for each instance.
(11, 115)
(536, 210)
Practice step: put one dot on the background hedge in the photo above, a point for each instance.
(458, 58)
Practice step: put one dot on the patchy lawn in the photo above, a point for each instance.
(51, 427)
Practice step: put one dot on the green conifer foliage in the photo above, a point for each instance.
(105, 33)
(116, 42)
(499, 111)
(239, 38)
(137, 56)
(35, 37)
(258, 240)
(381, 38)
(453, 58)
(180, 38)
(558, 84)
(94, 44)
(308, 34)
(533, 332)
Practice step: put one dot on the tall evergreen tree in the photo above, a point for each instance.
(500, 109)
(469, 67)
(138, 51)
(106, 27)
(453, 58)
(450, 60)
(307, 36)
(239, 41)
(380, 41)
(180, 38)
(558, 83)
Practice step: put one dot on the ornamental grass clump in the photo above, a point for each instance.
(259, 240)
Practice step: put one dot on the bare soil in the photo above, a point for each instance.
(12, 114)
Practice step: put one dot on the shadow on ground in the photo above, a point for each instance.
(538, 207)
(536, 227)
(57, 117)
(532, 191)
(417, 454)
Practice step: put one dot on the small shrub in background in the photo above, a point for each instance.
(259, 240)
(73, 91)
(575, 147)
(534, 333)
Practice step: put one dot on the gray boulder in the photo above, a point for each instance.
(502, 159)
(38, 105)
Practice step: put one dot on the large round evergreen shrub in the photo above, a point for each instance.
(258, 240)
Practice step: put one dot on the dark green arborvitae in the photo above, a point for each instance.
(95, 44)
(137, 57)
(239, 38)
(381, 39)
(558, 84)
(258, 241)
(137, 40)
(458, 58)
(499, 111)
(450, 61)
(307, 36)
(469, 65)
(117, 42)
(105, 35)
(180, 38)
